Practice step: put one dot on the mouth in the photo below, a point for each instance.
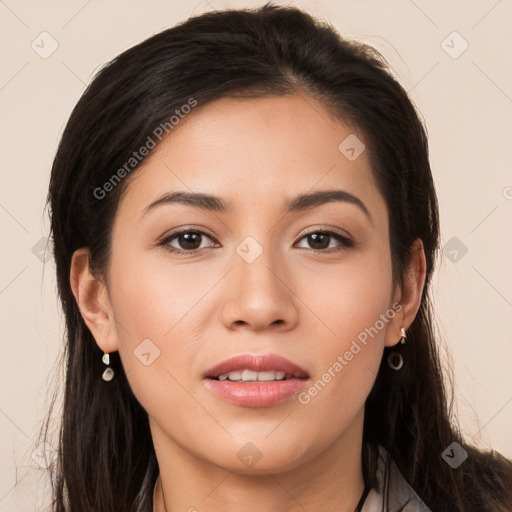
(256, 380)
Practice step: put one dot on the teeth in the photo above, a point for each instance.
(250, 375)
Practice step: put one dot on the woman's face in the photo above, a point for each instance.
(251, 284)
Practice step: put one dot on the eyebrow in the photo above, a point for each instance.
(299, 203)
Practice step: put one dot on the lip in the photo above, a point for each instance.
(253, 393)
(257, 363)
(256, 394)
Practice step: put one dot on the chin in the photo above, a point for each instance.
(260, 458)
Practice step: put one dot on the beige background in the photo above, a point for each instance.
(467, 105)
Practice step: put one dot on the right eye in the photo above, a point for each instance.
(188, 240)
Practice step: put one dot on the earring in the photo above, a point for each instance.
(395, 359)
(108, 374)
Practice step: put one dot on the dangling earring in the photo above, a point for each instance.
(108, 374)
(395, 359)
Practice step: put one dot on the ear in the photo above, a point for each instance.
(409, 295)
(93, 301)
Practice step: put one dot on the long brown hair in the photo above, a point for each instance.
(106, 460)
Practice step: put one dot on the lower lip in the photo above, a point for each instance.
(256, 394)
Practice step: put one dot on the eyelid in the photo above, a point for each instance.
(330, 230)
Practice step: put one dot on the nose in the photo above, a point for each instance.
(259, 294)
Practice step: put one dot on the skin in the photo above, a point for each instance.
(200, 309)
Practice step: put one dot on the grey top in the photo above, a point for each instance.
(400, 492)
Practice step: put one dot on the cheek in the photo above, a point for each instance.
(150, 306)
(148, 298)
(352, 313)
(347, 298)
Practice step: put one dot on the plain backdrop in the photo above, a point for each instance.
(455, 60)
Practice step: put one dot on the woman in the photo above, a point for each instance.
(245, 227)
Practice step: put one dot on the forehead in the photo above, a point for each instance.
(259, 152)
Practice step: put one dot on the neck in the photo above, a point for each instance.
(159, 504)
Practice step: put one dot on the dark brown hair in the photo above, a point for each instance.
(106, 460)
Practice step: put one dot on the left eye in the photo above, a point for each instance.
(319, 238)
(188, 240)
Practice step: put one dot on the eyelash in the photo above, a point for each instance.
(345, 242)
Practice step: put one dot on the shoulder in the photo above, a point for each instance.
(402, 497)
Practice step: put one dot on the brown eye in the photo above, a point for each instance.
(190, 241)
(187, 241)
(320, 241)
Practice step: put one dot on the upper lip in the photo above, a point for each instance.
(257, 363)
